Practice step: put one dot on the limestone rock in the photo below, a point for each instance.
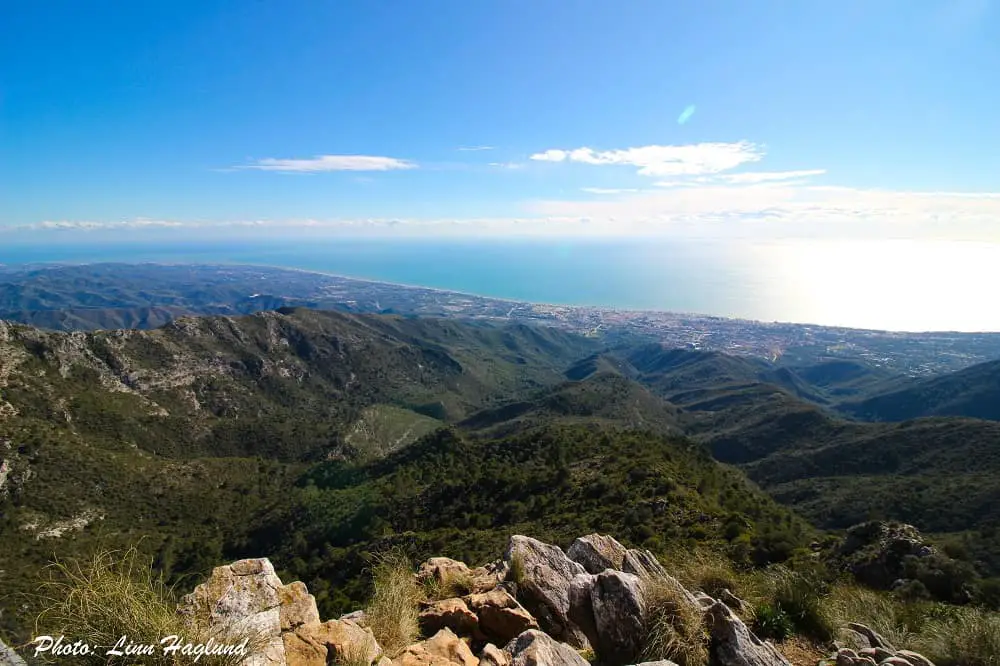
(914, 658)
(237, 600)
(733, 644)
(329, 642)
(501, 617)
(875, 639)
(491, 655)
(8, 657)
(443, 649)
(456, 577)
(451, 614)
(544, 574)
(643, 564)
(596, 552)
(297, 606)
(536, 648)
(619, 617)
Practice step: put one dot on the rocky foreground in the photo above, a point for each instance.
(537, 606)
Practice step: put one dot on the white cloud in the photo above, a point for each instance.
(686, 160)
(474, 148)
(767, 176)
(507, 165)
(322, 163)
(607, 190)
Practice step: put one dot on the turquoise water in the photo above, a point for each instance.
(625, 275)
(892, 285)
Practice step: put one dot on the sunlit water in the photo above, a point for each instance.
(893, 285)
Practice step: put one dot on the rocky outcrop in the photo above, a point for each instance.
(335, 641)
(536, 648)
(868, 647)
(451, 614)
(733, 644)
(8, 657)
(240, 599)
(501, 617)
(443, 649)
(619, 609)
(550, 605)
(542, 574)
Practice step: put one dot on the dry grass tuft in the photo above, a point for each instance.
(393, 611)
(116, 594)
(675, 629)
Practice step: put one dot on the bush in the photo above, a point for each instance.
(800, 599)
(772, 622)
(675, 629)
(392, 613)
(115, 594)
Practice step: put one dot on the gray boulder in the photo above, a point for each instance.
(619, 617)
(8, 657)
(597, 552)
(733, 644)
(543, 574)
(536, 648)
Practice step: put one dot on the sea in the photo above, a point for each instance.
(896, 285)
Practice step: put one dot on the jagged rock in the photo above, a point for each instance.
(619, 617)
(875, 640)
(643, 564)
(864, 661)
(876, 552)
(848, 638)
(357, 616)
(733, 644)
(452, 614)
(732, 601)
(914, 658)
(596, 552)
(443, 649)
(895, 661)
(543, 575)
(448, 573)
(662, 662)
(536, 648)
(846, 657)
(878, 654)
(237, 600)
(491, 655)
(297, 606)
(501, 617)
(330, 642)
(9, 658)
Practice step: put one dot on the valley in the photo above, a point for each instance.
(320, 437)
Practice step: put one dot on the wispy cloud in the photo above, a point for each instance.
(322, 163)
(656, 160)
(770, 176)
(507, 165)
(607, 190)
(474, 148)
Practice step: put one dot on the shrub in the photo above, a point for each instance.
(675, 629)
(392, 612)
(800, 599)
(115, 594)
(772, 622)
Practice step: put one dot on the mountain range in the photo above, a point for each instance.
(320, 436)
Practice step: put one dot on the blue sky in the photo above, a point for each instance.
(762, 119)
